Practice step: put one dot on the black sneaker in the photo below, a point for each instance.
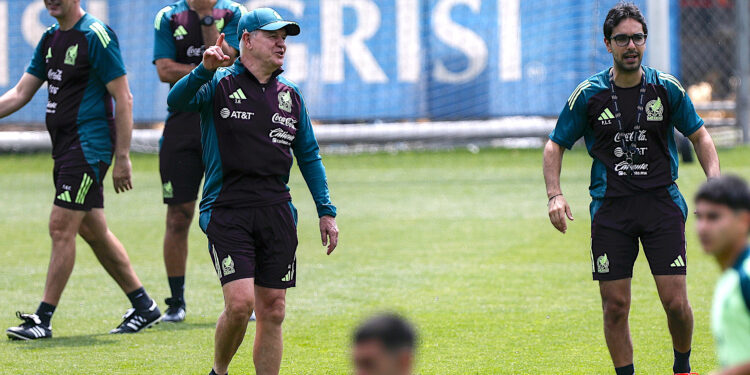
(175, 310)
(31, 328)
(134, 321)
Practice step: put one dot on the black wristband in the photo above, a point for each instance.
(553, 197)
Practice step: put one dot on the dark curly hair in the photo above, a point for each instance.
(620, 12)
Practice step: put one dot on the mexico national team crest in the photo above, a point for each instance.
(602, 264)
(227, 266)
(654, 110)
(71, 54)
(285, 101)
(167, 190)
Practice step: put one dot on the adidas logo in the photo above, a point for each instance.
(84, 188)
(238, 96)
(64, 196)
(180, 33)
(606, 115)
(679, 262)
(289, 275)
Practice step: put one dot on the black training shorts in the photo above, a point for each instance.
(656, 218)
(180, 158)
(78, 186)
(256, 242)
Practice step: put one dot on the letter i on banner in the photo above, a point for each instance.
(509, 19)
(409, 49)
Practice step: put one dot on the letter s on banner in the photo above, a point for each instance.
(460, 38)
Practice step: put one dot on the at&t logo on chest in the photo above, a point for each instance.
(225, 113)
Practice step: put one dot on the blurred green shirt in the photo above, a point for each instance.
(730, 317)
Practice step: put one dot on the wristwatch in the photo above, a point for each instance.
(207, 21)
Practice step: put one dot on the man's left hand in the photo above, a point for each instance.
(329, 233)
(121, 179)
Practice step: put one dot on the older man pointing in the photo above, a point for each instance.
(252, 120)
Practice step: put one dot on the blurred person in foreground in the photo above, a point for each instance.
(79, 58)
(384, 345)
(722, 210)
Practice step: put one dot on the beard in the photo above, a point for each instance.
(625, 67)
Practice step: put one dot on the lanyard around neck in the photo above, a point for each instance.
(628, 151)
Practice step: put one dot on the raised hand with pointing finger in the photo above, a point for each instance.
(214, 57)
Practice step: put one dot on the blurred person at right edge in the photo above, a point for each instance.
(722, 210)
(384, 345)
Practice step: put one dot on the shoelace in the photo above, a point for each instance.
(31, 319)
(126, 317)
(131, 321)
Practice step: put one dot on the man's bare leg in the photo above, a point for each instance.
(673, 294)
(108, 250)
(179, 217)
(63, 226)
(230, 329)
(268, 348)
(616, 307)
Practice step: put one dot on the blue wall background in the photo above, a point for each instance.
(560, 45)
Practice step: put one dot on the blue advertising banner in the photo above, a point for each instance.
(372, 59)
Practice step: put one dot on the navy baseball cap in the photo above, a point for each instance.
(265, 19)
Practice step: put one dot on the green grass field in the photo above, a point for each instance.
(458, 242)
